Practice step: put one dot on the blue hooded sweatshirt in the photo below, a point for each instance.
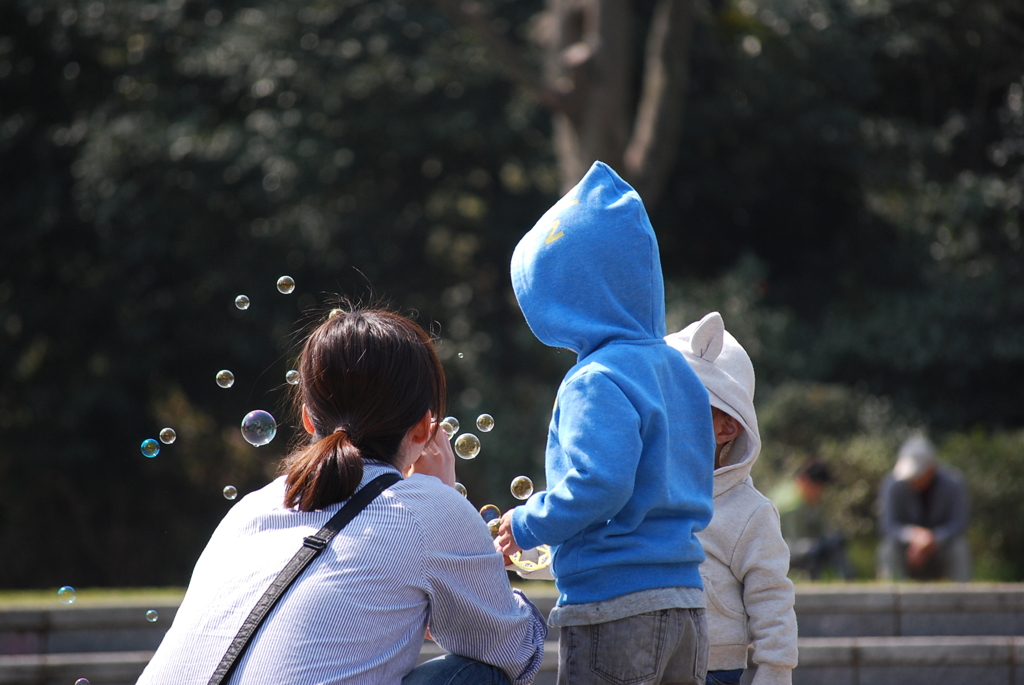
(630, 453)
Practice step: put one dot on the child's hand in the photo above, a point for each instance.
(505, 543)
(436, 459)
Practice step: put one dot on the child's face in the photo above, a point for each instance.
(727, 429)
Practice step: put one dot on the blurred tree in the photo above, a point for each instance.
(845, 189)
(935, 319)
(992, 464)
(863, 156)
(603, 107)
(863, 151)
(159, 160)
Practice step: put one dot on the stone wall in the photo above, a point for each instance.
(948, 634)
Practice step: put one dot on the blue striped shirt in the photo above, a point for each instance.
(419, 554)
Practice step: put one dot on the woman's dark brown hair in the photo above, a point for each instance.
(367, 377)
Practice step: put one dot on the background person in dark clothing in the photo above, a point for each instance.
(923, 518)
(813, 545)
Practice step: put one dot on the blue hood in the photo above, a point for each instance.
(589, 271)
(630, 454)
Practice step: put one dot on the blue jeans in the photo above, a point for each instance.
(725, 677)
(455, 670)
(656, 648)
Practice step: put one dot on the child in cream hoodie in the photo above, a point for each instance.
(749, 597)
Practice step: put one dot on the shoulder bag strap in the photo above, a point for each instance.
(312, 545)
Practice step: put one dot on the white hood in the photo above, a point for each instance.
(749, 598)
(725, 369)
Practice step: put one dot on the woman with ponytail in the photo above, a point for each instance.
(419, 555)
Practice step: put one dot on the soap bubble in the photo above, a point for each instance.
(150, 448)
(258, 427)
(467, 446)
(292, 377)
(493, 525)
(242, 302)
(489, 512)
(485, 423)
(453, 425)
(225, 378)
(67, 595)
(462, 489)
(285, 285)
(461, 356)
(230, 492)
(152, 616)
(82, 681)
(167, 436)
(522, 487)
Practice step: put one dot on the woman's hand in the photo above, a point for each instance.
(436, 459)
(505, 543)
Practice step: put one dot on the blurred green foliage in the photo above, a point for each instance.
(866, 155)
(846, 193)
(162, 158)
(858, 436)
(994, 469)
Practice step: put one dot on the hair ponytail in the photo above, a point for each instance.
(327, 471)
(368, 376)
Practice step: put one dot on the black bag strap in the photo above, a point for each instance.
(312, 545)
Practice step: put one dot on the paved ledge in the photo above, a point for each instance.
(83, 617)
(911, 661)
(103, 668)
(910, 651)
(83, 629)
(857, 634)
(894, 610)
(823, 661)
(124, 668)
(907, 597)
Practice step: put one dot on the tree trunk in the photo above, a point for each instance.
(588, 58)
(651, 153)
(588, 84)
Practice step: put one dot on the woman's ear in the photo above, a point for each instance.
(307, 423)
(420, 432)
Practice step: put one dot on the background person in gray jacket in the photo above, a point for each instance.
(924, 512)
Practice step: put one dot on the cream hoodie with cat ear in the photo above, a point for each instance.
(749, 596)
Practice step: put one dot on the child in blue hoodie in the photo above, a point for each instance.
(630, 453)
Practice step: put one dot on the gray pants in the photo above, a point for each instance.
(657, 648)
(951, 560)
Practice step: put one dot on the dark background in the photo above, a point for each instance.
(846, 191)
